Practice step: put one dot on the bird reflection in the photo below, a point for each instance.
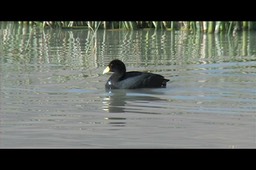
(116, 100)
(116, 121)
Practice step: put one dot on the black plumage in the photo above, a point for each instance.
(120, 79)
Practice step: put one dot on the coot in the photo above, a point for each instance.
(120, 79)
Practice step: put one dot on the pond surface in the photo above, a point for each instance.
(53, 96)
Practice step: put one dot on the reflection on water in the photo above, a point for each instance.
(116, 121)
(84, 49)
(114, 102)
(122, 100)
(53, 90)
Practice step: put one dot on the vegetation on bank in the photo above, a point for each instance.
(201, 26)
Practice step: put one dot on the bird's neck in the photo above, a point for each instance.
(117, 76)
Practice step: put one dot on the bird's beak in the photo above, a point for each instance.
(107, 69)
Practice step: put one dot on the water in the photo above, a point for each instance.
(52, 89)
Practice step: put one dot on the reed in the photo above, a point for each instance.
(210, 28)
(217, 26)
(198, 26)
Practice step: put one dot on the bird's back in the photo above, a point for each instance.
(135, 79)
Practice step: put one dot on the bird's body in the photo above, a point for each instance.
(120, 79)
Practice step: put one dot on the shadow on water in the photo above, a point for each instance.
(121, 100)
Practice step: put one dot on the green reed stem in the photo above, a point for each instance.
(210, 27)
